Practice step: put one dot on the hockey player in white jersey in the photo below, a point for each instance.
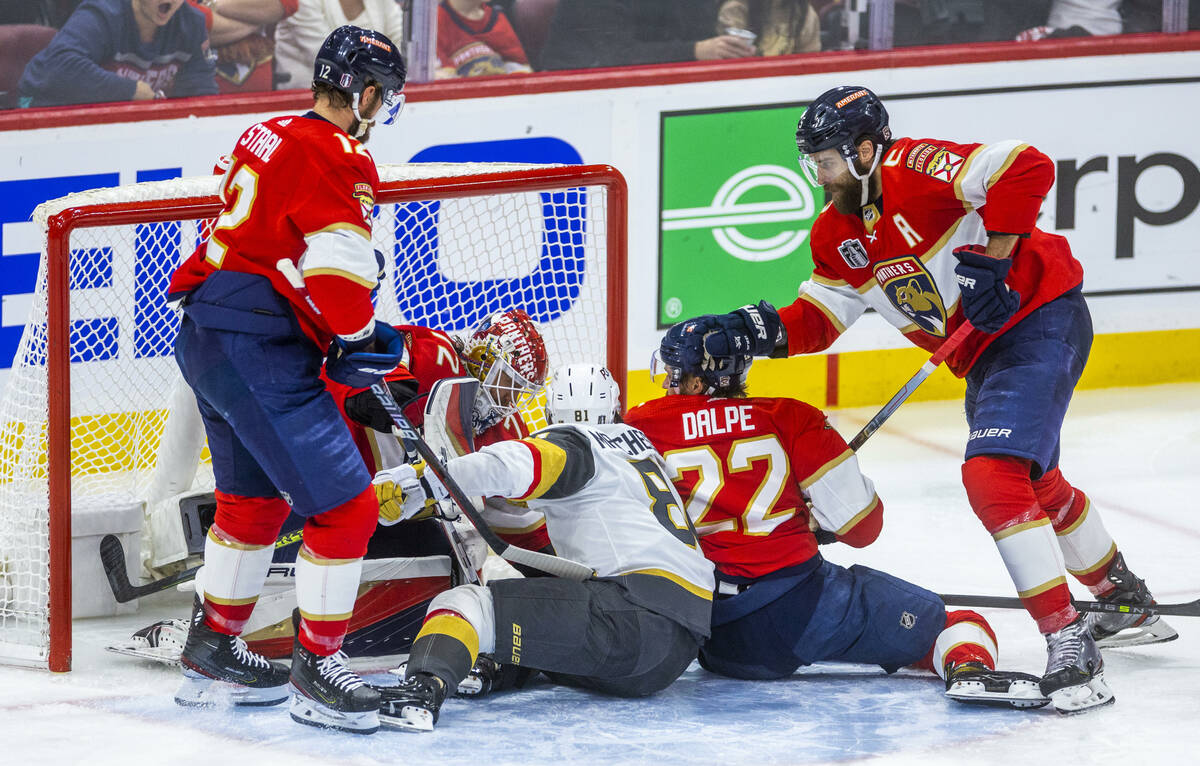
(632, 628)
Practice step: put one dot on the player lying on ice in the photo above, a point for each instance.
(404, 566)
(932, 234)
(632, 628)
(761, 474)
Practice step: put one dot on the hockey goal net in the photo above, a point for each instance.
(87, 415)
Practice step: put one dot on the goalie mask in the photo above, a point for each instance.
(583, 393)
(507, 355)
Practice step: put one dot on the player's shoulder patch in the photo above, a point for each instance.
(931, 158)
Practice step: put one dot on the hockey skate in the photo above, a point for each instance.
(974, 683)
(327, 694)
(219, 669)
(414, 704)
(1117, 629)
(162, 642)
(486, 676)
(1074, 679)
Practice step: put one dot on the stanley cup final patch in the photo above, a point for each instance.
(854, 254)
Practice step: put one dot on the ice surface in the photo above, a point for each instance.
(1135, 451)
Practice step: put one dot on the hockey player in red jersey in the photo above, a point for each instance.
(760, 475)
(932, 234)
(401, 573)
(299, 190)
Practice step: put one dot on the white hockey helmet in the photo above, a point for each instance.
(583, 393)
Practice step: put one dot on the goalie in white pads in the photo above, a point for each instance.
(609, 505)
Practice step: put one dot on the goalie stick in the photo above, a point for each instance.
(946, 349)
(1185, 609)
(112, 558)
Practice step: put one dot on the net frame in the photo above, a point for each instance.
(197, 199)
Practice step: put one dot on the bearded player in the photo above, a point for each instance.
(760, 475)
(933, 234)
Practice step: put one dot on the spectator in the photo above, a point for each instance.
(299, 36)
(1078, 18)
(122, 50)
(242, 34)
(595, 33)
(781, 26)
(475, 38)
(1147, 15)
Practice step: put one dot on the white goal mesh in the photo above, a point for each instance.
(459, 241)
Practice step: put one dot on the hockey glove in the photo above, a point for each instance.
(753, 330)
(987, 302)
(360, 363)
(405, 492)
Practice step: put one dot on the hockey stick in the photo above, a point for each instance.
(559, 567)
(946, 349)
(1186, 609)
(112, 558)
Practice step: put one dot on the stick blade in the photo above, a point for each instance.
(112, 558)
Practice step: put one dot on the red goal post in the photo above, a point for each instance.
(88, 401)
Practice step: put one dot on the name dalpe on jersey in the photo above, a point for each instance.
(714, 421)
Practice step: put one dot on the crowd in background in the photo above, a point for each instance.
(57, 52)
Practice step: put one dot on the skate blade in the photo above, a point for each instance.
(312, 713)
(1020, 694)
(201, 691)
(1158, 632)
(1072, 700)
(409, 719)
(167, 655)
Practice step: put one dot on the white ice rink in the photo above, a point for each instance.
(1135, 451)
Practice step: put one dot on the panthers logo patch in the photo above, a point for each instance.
(366, 197)
(911, 289)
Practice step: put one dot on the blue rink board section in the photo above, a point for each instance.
(830, 714)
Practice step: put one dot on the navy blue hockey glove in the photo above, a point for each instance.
(753, 330)
(359, 364)
(987, 302)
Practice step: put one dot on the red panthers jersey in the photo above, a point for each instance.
(291, 178)
(749, 470)
(897, 257)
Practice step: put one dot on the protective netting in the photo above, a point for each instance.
(449, 263)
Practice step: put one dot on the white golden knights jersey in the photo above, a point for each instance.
(897, 257)
(609, 505)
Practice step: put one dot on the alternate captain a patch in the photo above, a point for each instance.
(366, 197)
(911, 289)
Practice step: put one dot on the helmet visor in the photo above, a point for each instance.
(393, 105)
(663, 374)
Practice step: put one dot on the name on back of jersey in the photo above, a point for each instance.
(628, 440)
(717, 420)
(261, 141)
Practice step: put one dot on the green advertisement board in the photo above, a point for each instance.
(735, 211)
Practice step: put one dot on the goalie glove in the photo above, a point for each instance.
(406, 491)
(753, 329)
